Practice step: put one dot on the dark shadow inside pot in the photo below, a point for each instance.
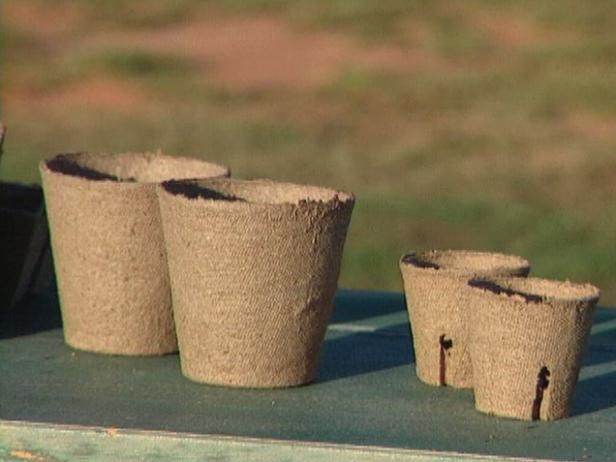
(537, 290)
(262, 192)
(69, 166)
(468, 262)
(416, 260)
(192, 190)
(131, 167)
(500, 290)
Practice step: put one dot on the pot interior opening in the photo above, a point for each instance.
(467, 261)
(419, 262)
(537, 290)
(254, 191)
(68, 164)
(133, 167)
(192, 190)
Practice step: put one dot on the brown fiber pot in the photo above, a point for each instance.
(108, 248)
(254, 266)
(435, 285)
(528, 337)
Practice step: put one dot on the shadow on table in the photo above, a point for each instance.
(354, 305)
(36, 313)
(355, 348)
(595, 394)
(602, 345)
(360, 353)
(602, 337)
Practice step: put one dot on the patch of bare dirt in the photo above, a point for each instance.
(96, 93)
(43, 20)
(513, 31)
(590, 125)
(265, 51)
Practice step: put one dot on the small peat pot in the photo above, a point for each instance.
(254, 267)
(528, 337)
(435, 285)
(108, 248)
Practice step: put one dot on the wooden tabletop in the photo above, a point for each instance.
(58, 404)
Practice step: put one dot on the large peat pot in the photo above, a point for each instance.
(108, 248)
(254, 267)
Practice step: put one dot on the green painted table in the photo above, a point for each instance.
(57, 404)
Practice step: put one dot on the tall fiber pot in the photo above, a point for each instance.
(108, 248)
(254, 267)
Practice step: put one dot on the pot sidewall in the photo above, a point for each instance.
(512, 340)
(252, 287)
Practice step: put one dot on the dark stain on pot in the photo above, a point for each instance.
(64, 164)
(497, 289)
(542, 385)
(192, 190)
(416, 260)
(445, 344)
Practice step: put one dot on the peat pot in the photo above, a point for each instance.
(253, 267)
(108, 248)
(527, 340)
(435, 285)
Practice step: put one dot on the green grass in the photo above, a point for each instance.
(481, 153)
(559, 245)
(134, 63)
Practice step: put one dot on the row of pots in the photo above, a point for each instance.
(238, 275)
(479, 322)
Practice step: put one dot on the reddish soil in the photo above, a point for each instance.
(511, 31)
(265, 51)
(97, 92)
(591, 125)
(45, 21)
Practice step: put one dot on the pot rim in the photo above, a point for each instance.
(529, 289)
(93, 175)
(210, 192)
(443, 262)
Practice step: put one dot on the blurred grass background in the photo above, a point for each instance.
(480, 124)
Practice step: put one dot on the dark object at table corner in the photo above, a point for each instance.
(25, 254)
